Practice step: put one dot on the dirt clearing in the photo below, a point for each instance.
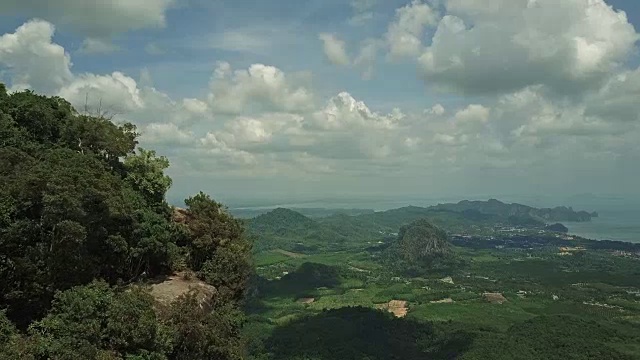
(397, 307)
(289, 253)
(174, 286)
(443, 301)
(495, 298)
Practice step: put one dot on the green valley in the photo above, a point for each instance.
(476, 288)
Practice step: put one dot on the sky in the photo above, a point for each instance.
(300, 99)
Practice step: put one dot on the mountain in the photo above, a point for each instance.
(557, 227)
(419, 246)
(249, 213)
(280, 220)
(391, 220)
(518, 211)
(421, 239)
(290, 230)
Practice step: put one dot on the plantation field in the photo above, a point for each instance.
(593, 286)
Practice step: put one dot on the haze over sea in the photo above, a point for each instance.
(619, 217)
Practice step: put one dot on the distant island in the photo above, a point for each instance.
(496, 207)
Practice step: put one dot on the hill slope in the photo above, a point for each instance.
(504, 210)
(290, 230)
(420, 241)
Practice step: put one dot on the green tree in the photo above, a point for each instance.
(95, 321)
(201, 333)
(78, 203)
(145, 172)
(12, 344)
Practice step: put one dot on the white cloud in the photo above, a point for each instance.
(226, 155)
(334, 49)
(259, 87)
(509, 45)
(472, 114)
(255, 39)
(360, 19)
(344, 112)
(262, 121)
(166, 134)
(531, 117)
(363, 5)
(405, 33)
(618, 99)
(367, 57)
(436, 109)
(195, 106)
(362, 11)
(161, 108)
(95, 19)
(116, 92)
(33, 60)
(344, 129)
(97, 46)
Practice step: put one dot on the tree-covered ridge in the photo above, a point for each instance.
(83, 217)
(288, 229)
(496, 207)
(421, 240)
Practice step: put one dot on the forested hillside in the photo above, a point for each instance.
(498, 208)
(84, 226)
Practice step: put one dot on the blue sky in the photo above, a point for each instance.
(363, 97)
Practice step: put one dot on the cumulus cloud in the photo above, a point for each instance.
(166, 134)
(366, 58)
(263, 121)
(405, 33)
(436, 109)
(260, 87)
(344, 129)
(334, 49)
(618, 98)
(362, 11)
(95, 19)
(225, 154)
(33, 60)
(251, 39)
(116, 92)
(508, 45)
(533, 118)
(344, 112)
(97, 46)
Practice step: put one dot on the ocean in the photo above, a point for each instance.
(622, 225)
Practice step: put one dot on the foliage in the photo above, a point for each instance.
(290, 230)
(557, 307)
(304, 279)
(95, 321)
(551, 337)
(421, 247)
(200, 334)
(145, 173)
(12, 344)
(218, 250)
(519, 212)
(78, 203)
(361, 333)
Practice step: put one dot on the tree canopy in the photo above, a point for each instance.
(83, 217)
